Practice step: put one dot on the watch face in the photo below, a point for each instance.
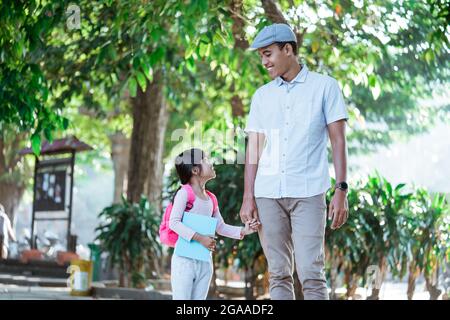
(343, 185)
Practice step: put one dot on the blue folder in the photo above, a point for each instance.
(201, 224)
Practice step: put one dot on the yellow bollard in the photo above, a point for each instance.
(80, 277)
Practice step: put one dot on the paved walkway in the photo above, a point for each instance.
(16, 287)
(15, 292)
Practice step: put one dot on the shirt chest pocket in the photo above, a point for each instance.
(302, 111)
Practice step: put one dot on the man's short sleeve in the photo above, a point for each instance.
(254, 122)
(333, 105)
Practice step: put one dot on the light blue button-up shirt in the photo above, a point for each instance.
(294, 117)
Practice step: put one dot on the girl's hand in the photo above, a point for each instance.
(251, 226)
(208, 242)
(254, 224)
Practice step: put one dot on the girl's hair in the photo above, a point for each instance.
(185, 162)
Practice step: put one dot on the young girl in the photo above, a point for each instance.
(190, 278)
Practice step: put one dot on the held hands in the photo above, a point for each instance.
(249, 216)
(209, 243)
(251, 226)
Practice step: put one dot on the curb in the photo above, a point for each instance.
(129, 293)
(30, 281)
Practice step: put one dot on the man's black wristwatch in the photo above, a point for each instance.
(341, 185)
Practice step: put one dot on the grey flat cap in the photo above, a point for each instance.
(277, 32)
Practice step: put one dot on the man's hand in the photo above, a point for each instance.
(338, 210)
(248, 211)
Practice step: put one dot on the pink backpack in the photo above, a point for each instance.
(166, 235)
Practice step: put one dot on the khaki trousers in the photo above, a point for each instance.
(293, 229)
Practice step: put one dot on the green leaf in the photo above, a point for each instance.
(141, 80)
(101, 55)
(204, 49)
(36, 144)
(156, 34)
(136, 63)
(315, 46)
(429, 55)
(376, 91)
(65, 123)
(202, 5)
(132, 86)
(347, 90)
(45, 93)
(147, 70)
(190, 64)
(372, 80)
(189, 51)
(157, 56)
(112, 53)
(48, 134)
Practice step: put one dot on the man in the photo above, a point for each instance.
(6, 232)
(286, 168)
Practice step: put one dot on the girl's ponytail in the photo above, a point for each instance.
(173, 199)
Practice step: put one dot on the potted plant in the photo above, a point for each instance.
(129, 234)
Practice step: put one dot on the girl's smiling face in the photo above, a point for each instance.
(208, 171)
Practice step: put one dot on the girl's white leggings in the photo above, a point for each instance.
(190, 278)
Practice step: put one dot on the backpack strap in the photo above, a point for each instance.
(190, 194)
(214, 200)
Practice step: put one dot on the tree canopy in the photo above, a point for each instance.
(384, 54)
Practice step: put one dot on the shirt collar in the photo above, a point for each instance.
(300, 77)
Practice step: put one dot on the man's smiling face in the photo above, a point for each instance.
(274, 59)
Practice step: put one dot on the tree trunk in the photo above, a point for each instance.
(431, 284)
(120, 154)
(122, 279)
(352, 290)
(128, 270)
(249, 284)
(335, 262)
(238, 26)
(414, 272)
(237, 107)
(153, 265)
(351, 281)
(266, 282)
(123, 272)
(149, 125)
(240, 45)
(11, 193)
(140, 269)
(375, 294)
(12, 184)
(212, 292)
(347, 280)
(155, 163)
(274, 15)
